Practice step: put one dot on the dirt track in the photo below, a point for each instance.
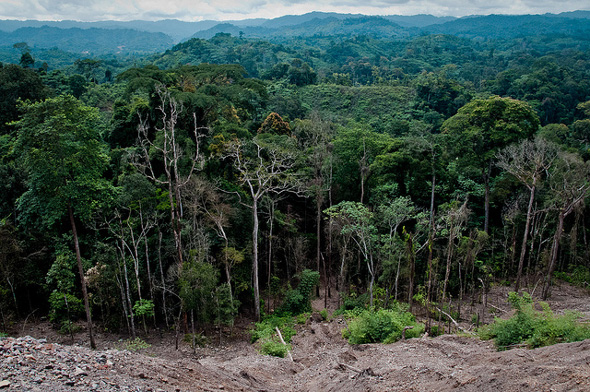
(323, 361)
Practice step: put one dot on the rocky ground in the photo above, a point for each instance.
(322, 361)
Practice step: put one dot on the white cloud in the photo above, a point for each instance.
(91, 10)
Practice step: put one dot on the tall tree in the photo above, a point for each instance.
(61, 149)
(569, 186)
(484, 126)
(315, 136)
(166, 147)
(356, 219)
(527, 161)
(265, 166)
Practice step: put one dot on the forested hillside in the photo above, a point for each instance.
(350, 158)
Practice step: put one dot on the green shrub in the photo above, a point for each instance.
(274, 348)
(385, 325)
(64, 307)
(144, 307)
(534, 328)
(266, 335)
(68, 327)
(302, 318)
(132, 344)
(352, 302)
(298, 301)
(325, 315)
(580, 276)
(265, 329)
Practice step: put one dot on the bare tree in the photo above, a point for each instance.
(569, 186)
(527, 161)
(455, 218)
(166, 147)
(265, 165)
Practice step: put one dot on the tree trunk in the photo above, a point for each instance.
(412, 262)
(255, 259)
(82, 280)
(318, 222)
(486, 181)
(163, 279)
(525, 237)
(554, 253)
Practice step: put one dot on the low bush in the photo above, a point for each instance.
(579, 276)
(265, 334)
(533, 328)
(275, 348)
(384, 325)
(64, 307)
(298, 300)
(132, 344)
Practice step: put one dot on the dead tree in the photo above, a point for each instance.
(527, 161)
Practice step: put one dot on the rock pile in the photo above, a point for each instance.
(28, 364)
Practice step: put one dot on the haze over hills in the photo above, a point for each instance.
(143, 37)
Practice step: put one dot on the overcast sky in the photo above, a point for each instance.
(195, 10)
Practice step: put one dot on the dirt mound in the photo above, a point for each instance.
(322, 361)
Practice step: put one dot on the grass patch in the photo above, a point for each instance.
(532, 328)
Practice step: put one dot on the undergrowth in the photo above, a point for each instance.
(132, 344)
(380, 326)
(533, 328)
(295, 309)
(579, 276)
(266, 335)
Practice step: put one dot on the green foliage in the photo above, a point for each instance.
(274, 348)
(265, 330)
(580, 276)
(225, 309)
(144, 307)
(67, 327)
(197, 284)
(384, 325)
(265, 334)
(325, 315)
(64, 307)
(61, 274)
(302, 318)
(60, 146)
(353, 301)
(298, 301)
(133, 345)
(533, 328)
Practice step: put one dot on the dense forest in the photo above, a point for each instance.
(234, 175)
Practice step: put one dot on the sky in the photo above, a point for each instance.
(196, 10)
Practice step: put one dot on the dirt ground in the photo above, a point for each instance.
(322, 361)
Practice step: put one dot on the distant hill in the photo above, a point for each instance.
(484, 27)
(143, 37)
(513, 26)
(91, 41)
(374, 26)
(176, 29)
(418, 20)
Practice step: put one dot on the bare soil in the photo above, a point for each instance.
(322, 360)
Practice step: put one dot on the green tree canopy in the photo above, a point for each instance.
(61, 150)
